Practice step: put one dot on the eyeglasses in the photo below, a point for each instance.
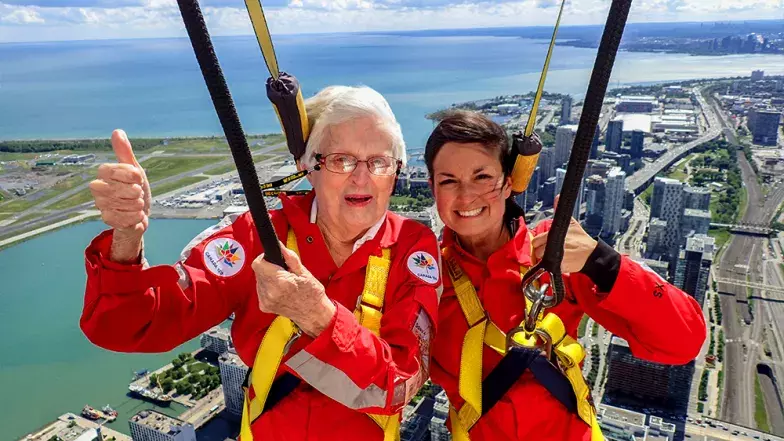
(345, 163)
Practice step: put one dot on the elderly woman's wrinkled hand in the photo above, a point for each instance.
(295, 293)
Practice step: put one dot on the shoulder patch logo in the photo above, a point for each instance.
(224, 257)
(423, 266)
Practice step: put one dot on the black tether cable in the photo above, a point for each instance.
(232, 128)
(592, 107)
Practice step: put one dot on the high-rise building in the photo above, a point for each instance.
(599, 167)
(216, 340)
(665, 387)
(697, 198)
(667, 205)
(751, 119)
(596, 141)
(757, 75)
(532, 192)
(521, 199)
(694, 264)
(615, 195)
(232, 372)
(622, 160)
(560, 175)
(594, 204)
(613, 140)
(566, 110)
(547, 192)
(564, 140)
(623, 425)
(547, 163)
(659, 267)
(766, 127)
(638, 144)
(628, 204)
(149, 425)
(438, 430)
(695, 222)
(657, 231)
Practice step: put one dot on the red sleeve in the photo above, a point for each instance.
(132, 308)
(661, 323)
(378, 374)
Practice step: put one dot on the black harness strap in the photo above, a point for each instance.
(509, 370)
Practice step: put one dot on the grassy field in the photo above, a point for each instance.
(679, 172)
(56, 190)
(583, 325)
(171, 186)
(646, 195)
(221, 170)
(160, 168)
(760, 414)
(722, 235)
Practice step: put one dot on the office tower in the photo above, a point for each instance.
(594, 204)
(216, 340)
(638, 384)
(697, 198)
(766, 127)
(566, 110)
(232, 372)
(757, 75)
(657, 231)
(438, 430)
(638, 143)
(694, 222)
(149, 425)
(628, 204)
(659, 267)
(615, 196)
(693, 267)
(547, 192)
(564, 140)
(547, 163)
(560, 175)
(667, 205)
(532, 192)
(751, 119)
(613, 140)
(520, 199)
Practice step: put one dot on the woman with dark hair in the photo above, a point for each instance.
(486, 241)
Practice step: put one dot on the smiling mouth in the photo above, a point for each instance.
(358, 200)
(471, 213)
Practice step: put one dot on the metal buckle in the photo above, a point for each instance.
(546, 346)
(541, 298)
(291, 341)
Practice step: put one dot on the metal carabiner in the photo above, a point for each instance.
(541, 298)
(546, 346)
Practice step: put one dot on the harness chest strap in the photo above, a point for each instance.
(483, 331)
(282, 333)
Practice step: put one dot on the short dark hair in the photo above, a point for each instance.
(466, 127)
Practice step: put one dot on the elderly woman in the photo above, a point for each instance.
(487, 244)
(361, 285)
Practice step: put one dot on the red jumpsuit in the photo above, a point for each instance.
(347, 369)
(640, 307)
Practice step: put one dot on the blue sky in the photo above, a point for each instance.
(36, 20)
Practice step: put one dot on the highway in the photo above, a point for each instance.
(640, 180)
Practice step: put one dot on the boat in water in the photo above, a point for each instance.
(140, 374)
(147, 394)
(92, 414)
(107, 410)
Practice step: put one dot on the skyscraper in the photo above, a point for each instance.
(667, 205)
(693, 267)
(560, 175)
(547, 192)
(613, 140)
(657, 231)
(694, 222)
(595, 145)
(547, 163)
(766, 127)
(594, 204)
(150, 425)
(232, 373)
(615, 195)
(697, 198)
(564, 140)
(638, 143)
(532, 192)
(638, 384)
(757, 75)
(566, 110)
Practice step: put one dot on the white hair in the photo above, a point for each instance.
(337, 104)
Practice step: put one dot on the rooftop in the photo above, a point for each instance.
(158, 421)
(231, 357)
(635, 121)
(618, 341)
(219, 332)
(692, 212)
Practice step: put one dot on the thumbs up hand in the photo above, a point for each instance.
(122, 194)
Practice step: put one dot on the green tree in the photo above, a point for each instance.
(153, 380)
(167, 384)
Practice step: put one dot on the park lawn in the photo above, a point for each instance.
(646, 195)
(722, 235)
(4, 215)
(214, 144)
(221, 170)
(171, 186)
(760, 414)
(59, 188)
(679, 172)
(161, 168)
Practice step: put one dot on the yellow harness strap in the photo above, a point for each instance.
(282, 332)
(482, 331)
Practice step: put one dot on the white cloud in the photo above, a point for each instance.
(160, 18)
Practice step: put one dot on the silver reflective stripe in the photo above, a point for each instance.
(225, 222)
(334, 383)
(185, 280)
